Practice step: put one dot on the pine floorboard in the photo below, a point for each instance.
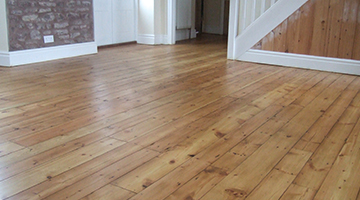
(177, 122)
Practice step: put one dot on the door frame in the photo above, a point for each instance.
(171, 22)
(136, 18)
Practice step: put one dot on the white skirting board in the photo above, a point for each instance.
(146, 39)
(345, 66)
(4, 59)
(15, 58)
(152, 39)
(161, 39)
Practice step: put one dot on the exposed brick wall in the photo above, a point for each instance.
(70, 21)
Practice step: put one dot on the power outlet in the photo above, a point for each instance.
(48, 38)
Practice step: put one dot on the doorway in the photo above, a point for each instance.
(204, 16)
(212, 16)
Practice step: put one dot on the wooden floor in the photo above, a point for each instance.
(177, 122)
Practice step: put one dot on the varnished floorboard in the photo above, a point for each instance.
(177, 122)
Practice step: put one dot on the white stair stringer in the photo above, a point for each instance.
(264, 24)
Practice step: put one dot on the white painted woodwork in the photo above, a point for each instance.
(4, 45)
(345, 66)
(262, 25)
(15, 58)
(233, 27)
(171, 21)
(115, 21)
(239, 44)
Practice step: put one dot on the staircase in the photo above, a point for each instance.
(251, 20)
(256, 18)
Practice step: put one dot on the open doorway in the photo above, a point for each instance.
(212, 16)
(196, 17)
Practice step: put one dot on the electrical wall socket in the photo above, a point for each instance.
(48, 38)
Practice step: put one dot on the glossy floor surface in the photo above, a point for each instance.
(177, 122)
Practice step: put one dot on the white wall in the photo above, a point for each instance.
(123, 21)
(103, 22)
(160, 17)
(183, 14)
(146, 17)
(153, 22)
(213, 16)
(4, 43)
(114, 21)
(185, 11)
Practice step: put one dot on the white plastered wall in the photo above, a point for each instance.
(213, 19)
(160, 17)
(152, 22)
(183, 34)
(146, 17)
(4, 44)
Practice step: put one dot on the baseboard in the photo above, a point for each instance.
(152, 39)
(345, 66)
(161, 39)
(4, 59)
(146, 39)
(22, 57)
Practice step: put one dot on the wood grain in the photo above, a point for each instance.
(318, 42)
(321, 28)
(356, 47)
(177, 122)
